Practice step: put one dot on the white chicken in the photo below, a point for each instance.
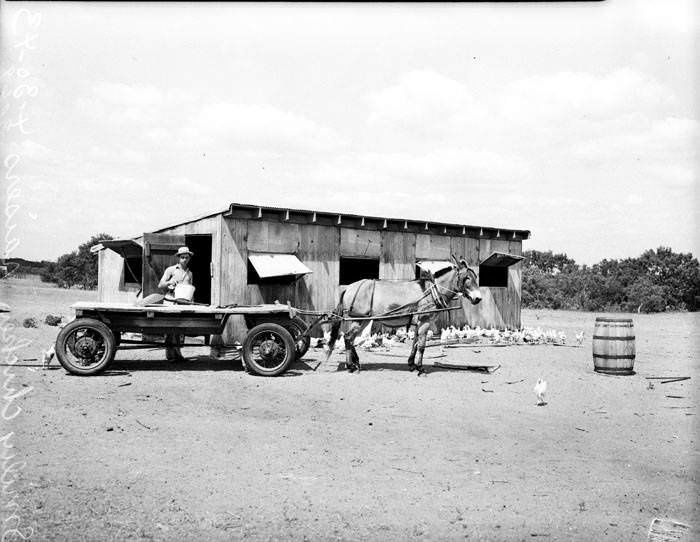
(364, 338)
(579, 338)
(540, 390)
(47, 356)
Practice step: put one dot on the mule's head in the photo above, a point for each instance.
(467, 281)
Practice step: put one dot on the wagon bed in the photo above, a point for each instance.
(87, 344)
(185, 319)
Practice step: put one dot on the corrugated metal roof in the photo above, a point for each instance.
(260, 208)
(277, 265)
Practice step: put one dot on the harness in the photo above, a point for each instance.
(438, 298)
(347, 311)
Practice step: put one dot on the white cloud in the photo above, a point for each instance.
(184, 186)
(425, 103)
(124, 104)
(261, 127)
(669, 139)
(121, 94)
(116, 155)
(449, 166)
(567, 96)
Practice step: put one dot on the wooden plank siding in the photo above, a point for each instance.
(360, 243)
(398, 256)
(234, 272)
(110, 279)
(497, 306)
(320, 248)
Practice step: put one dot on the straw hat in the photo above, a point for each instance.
(184, 250)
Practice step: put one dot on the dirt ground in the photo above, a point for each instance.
(203, 451)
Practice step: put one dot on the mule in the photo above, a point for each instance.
(380, 298)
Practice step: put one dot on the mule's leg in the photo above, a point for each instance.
(421, 338)
(335, 332)
(352, 361)
(412, 355)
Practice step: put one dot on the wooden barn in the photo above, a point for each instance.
(250, 254)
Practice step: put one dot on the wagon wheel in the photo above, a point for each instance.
(268, 349)
(85, 346)
(296, 327)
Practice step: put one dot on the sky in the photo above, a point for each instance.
(576, 121)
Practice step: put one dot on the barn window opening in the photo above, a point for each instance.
(133, 270)
(493, 277)
(493, 271)
(354, 269)
(275, 269)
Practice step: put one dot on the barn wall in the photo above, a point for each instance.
(398, 256)
(500, 307)
(320, 248)
(356, 243)
(316, 246)
(110, 279)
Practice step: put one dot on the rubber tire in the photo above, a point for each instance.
(296, 326)
(247, 352)
(63, 354)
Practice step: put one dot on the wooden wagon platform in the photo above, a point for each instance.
(87, 344)
(186, 319)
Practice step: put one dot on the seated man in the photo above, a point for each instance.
(174, 275)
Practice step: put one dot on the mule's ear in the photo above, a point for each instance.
(454, 258)
(463, 263)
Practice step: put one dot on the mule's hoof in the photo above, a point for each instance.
(421, 372)
(411, 368)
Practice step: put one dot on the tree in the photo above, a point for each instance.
(658, 280)
(645, 296)
(77, 268)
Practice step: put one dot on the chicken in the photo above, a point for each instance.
(540, 390)
(579, 338)
(47, 356)
(364, 338)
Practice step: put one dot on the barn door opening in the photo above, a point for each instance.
(201, 267)
(158, 254)
(493, 271)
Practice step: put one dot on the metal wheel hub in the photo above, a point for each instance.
(86, 347)
(269, 349)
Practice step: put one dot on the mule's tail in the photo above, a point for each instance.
(335, 329)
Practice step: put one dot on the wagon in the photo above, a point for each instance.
(88, 344)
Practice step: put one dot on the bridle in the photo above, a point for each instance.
(438, 290)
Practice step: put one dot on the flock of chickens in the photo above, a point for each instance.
(478, 336)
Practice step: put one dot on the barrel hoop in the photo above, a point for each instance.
(619, 372)
(613, 321)
(619, 356)
(605, 338)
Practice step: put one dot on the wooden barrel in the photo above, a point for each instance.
(613, 346)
